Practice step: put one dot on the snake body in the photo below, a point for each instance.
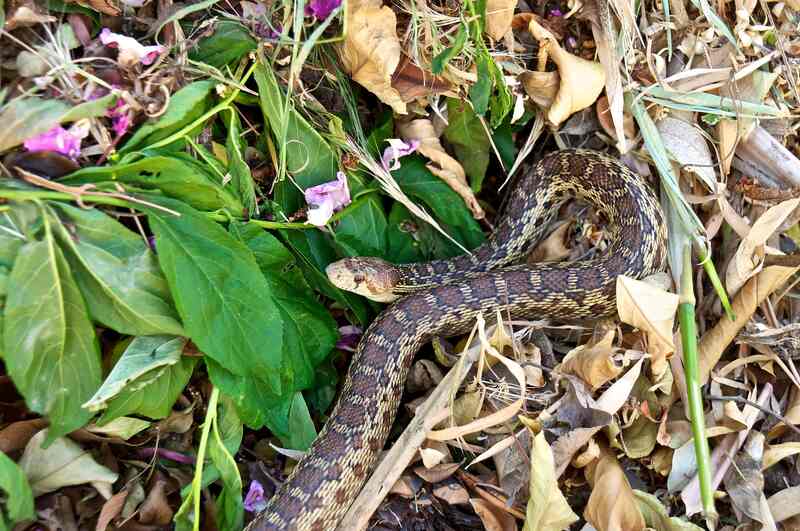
(449, 294)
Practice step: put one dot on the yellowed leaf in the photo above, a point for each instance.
(498, 17)
(715, 341)
(776, 452)
(371, 50)
(442, 165)
(612, 504)
(748, 259)
(652, 310)
(581, 81)
(542, 87)
(593, 362)
(547, 509)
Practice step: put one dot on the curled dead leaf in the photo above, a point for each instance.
(547, 508)
(541, 87)
(593, 362)
(412, 82)
(580, 81)
(371, 50)
(652, 310)
(612, 504)
(748, 259)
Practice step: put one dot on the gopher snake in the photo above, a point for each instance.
(450, 294)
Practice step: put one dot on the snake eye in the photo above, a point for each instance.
(358, 279)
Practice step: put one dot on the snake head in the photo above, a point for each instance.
(372, 278)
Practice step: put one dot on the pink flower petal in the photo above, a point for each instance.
(324, 199)
(130, 50)
(397, 148)
(56, 139)
(254, 502)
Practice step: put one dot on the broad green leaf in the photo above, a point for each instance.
(117, 272)
(229, 42)
(51, 352)
(291, 422)
(468, 137)
(185, 106)
(177, 175)
(151, 395)
(225, 303)
(143, 355)
(309, 331)
(363, 231)
(447, 207)
(18, 496)
(501, 101)
(547, 509)
(404, 246)
(241, 180)
(309, 158)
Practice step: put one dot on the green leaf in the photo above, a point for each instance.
(363, 231)
(225, 303)
(185, 106)
(291, 422)
(239, 171)
(117, 272)
(468, 137)
(145, 354)
(441, 60)
(19, 497)
(447, 206)
(177, 175)
(309, 158)
(656, 515)
(480, 91)
(51, 350)
(715, 21)
(230, 510)
(23, 118)
(229, 42)
(404, 247)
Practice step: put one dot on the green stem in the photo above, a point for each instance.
(197, 481)
(716, 283)
(688, 326)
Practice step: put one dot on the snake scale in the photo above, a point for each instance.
(444, 296)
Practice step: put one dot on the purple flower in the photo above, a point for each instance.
(58, 139)
(254, 501)
(320, 9)
(130, 51)
(326, 198)
(556, 13)
(397, 148)
(120, 117)
(348, 337)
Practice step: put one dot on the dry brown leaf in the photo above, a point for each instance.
(785, 504)
(405, 486)
(683, 140)
(553, 248)
(606, 121)
(436, 473)
(499, 14)
(371, 50)
(581, 81)
(593, 363)
(156, 510)
(748, 259)
(715, 341)
(442, 165)
(541, 87)
(412, 82)
(776, 452)
(652, 310)
(453, 493)
(612, 504)
(547, 508)
(111, 508)
(434, 453)
(493, 518)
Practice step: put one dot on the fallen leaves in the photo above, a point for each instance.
(547, 510)
(612, 504)
(63, 463)
(593, 362)
(371, 50)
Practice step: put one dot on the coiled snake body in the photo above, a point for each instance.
(449, 294)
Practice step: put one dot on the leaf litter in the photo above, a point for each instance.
(176, 177)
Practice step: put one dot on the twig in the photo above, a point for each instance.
(756, 405)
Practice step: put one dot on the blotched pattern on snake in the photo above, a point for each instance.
(444, 296)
